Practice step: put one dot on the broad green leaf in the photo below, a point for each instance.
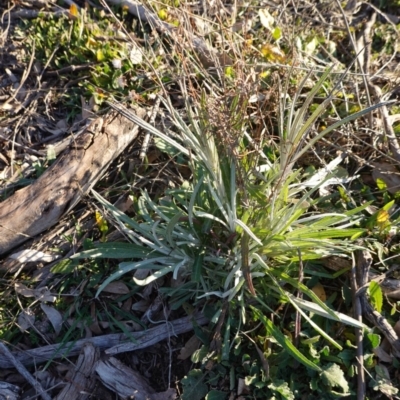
(193, 386)
(333, 376)
(282, 388)
(200, 355)
(347, 355)
(381, 184)
(216, 395)
(376, 296)
(277, 33)
(100, 55)
(163, 14)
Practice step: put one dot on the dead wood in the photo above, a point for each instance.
(9, 391)
(83, 381)
(34, 209)
(23, 371)
(117, 343)
(127, 383)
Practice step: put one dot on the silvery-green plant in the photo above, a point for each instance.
(238, 214)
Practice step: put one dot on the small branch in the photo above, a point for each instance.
(69, 69)
(389, 131)
(39, 206)
(358, 51)
(23, 371)
(377, 93)
(364, 262)
(147, 136)
(361, 390)
(32, 14)
(112, 344)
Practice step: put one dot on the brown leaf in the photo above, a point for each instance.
(54, 317)
(264, 361)
(132, 326)
(116, 287)
(190, 347)
(319, 290)
(81, 325)
(95, 328)
(127, 304)
(389, 174)
(87, 108)
(122, 380)
(382, 355)
(26, 319)
(124, 203)
(42, 294)
(242, 387)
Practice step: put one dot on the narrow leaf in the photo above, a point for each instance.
(285, 342)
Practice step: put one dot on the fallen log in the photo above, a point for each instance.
(127, 383)
(83, 380)
(112, 344)
(36, 208)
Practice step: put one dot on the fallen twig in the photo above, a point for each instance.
(377, 92)
(357, 309)
(147, 136)
(113, 343)
(13, 362)
(39, 206)
(364, 262)
(32, 14)
(389, 131)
